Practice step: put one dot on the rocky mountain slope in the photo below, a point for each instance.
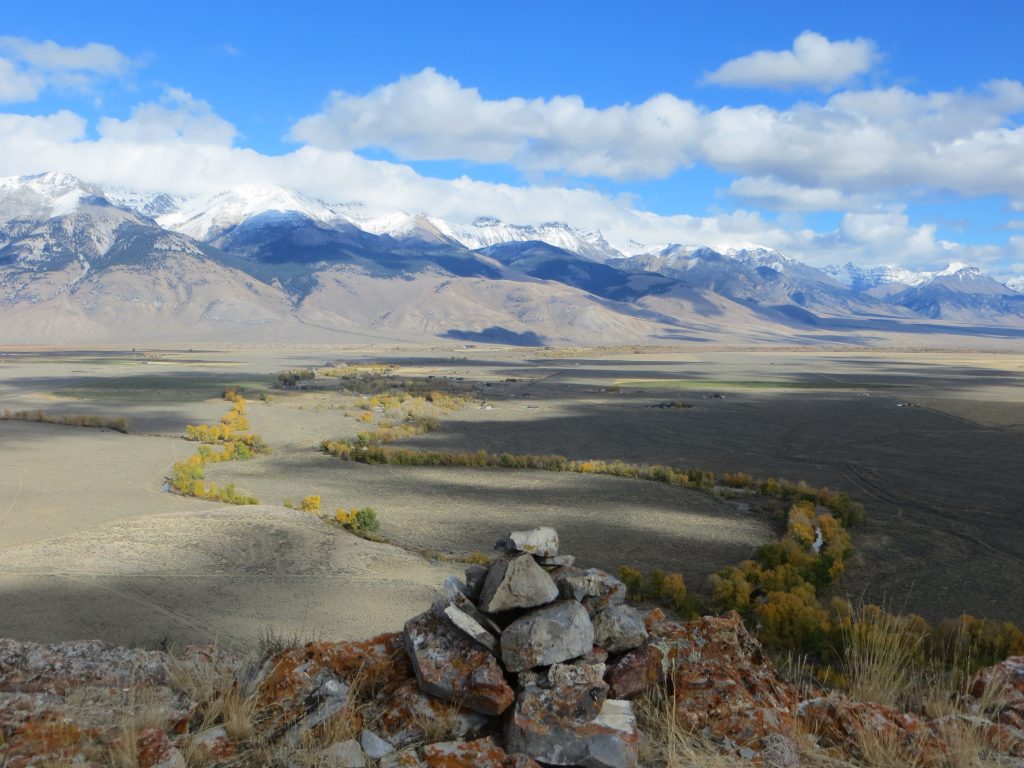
(79, 263)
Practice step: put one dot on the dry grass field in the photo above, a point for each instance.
(90, 545)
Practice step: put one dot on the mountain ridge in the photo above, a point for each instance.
(257, 256)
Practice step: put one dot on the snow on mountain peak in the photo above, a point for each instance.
(43, 195)
(957, 267)
(202, 217)
(486, 231)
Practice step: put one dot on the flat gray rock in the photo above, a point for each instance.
(374, 746)
(593, 587)
(347, 754)
(542, 542)
(516, 582)
(471, 627)
(548, 635)
(556, 561)
(610, 740)
(619, 628)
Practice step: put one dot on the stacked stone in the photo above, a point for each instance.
(528, 639)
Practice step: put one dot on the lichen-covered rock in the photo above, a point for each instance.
(58, 667)
(542, 542)
(404, 758)
(482, 753)
(619, 628)
(637, 671)
(516, 582)
(840, 722)
(212, 744)
(332, 699)
(154, 750)
(408, 709)
(722, 682)
(595, 588)
(574, 691)
(548, 635)
(452, 667)
(1006, 681)
(779, 751)
(611, 740)
(289, 685)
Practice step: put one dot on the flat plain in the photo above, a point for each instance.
(92, 545)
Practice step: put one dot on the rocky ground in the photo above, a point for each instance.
(531, 661)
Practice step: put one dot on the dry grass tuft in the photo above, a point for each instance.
(882, 653)
(669, 744)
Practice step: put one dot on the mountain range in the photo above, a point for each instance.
(82, 263)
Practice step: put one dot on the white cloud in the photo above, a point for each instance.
(815, 61)
(768, 192)
(428, 116)
(857, 144)
(18, 86)
(27, 66)
(178, 116)
(48, 56)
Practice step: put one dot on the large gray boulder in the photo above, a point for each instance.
(516, 582)
(548, 635)
(619, 628)
(536, 728)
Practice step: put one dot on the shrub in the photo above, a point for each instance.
(293, 377)
(634, 581)
(366, 520)
(310, 504)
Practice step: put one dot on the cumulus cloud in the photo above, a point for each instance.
(814, 61)
(768, 192)
(429, 116)
(879, 141)
(178, 116)
(18, 86)
(27, 66)
(854, 145)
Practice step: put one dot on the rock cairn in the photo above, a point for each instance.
(530, 661)
(529, 639)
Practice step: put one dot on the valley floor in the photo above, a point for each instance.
(91, 546)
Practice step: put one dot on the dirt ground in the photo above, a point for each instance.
(931, 442)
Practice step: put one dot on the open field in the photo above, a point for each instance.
(930, 442)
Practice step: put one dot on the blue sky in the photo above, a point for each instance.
(867, 131)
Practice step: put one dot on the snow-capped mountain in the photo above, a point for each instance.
(205, 218)
(963, 293)
(43, 196)
(867, 278)
(486, 231)
(80, 261)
